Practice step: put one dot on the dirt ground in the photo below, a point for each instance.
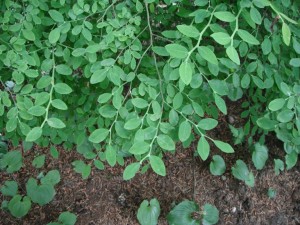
(105, 199)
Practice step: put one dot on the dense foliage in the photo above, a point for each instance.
(114, 79)
(186, 212)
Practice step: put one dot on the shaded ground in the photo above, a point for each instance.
(106, 199)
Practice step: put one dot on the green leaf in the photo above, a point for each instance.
(117, 101)
(286, 34)
(11, 161)
(255, 15)
(250, 180)
(217, 166)
(285, 89)
(11, 124)
(184, 131)
(259, 156)
(31, 73)
(67, 218)
(86, 34)
(203, 148)
(98, 135)
(210, 214)
(188, 30)
(233, 55)
(139, 6)
(247, 37)
(201, 2)
(208, 55)
(132, 124)
(220, 104)
(148, 213)
(103, 98)
(78, 52)
(56, 16)
(93, 48)
(157, 165)
(160, 51)
(183, 214)
(285, 116)
(59, 104)
(224, 147)
(44, 82)
(99, 165)
(271, 193)
(18, 207)
(291, 159)
(186, 72)
(207, 124)
(54, 153)
(139, 103)
(34, 134)
(82, 168)
(276, 104)
(288, 19)
(63, 69)
(241, 172)
(28, 34)
(221, 38)
(131, 170)
(41, 194)
(111, 155)
(99, 76)
(56, 123)
(279, 166)
(198, 109)
(165, 142)
(295, 62)
(177, 100)
(139, 148)
(177, 51)
(266, 123)
(225, 16)
(107, 111)
(39, 161)
(108, 62)
(9, 188)
(62, 88)
(51, 178)
(54, 36)
(266, 46)
(37, 110)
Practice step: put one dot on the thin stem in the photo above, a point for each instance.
(160, 81)
(236, 26)
(200, 36)
(154, 56)
(119, 55)
(116, 117)
(106, 10)
(51, 90)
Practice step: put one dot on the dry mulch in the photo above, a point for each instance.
(105, 199)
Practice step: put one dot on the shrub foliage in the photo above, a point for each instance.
(115, 78)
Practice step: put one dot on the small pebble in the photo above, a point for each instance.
(231, 119)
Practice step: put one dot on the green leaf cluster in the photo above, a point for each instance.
(186, 212)
(116, 79)
(37, 191)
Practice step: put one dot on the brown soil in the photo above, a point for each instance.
(106, 199)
